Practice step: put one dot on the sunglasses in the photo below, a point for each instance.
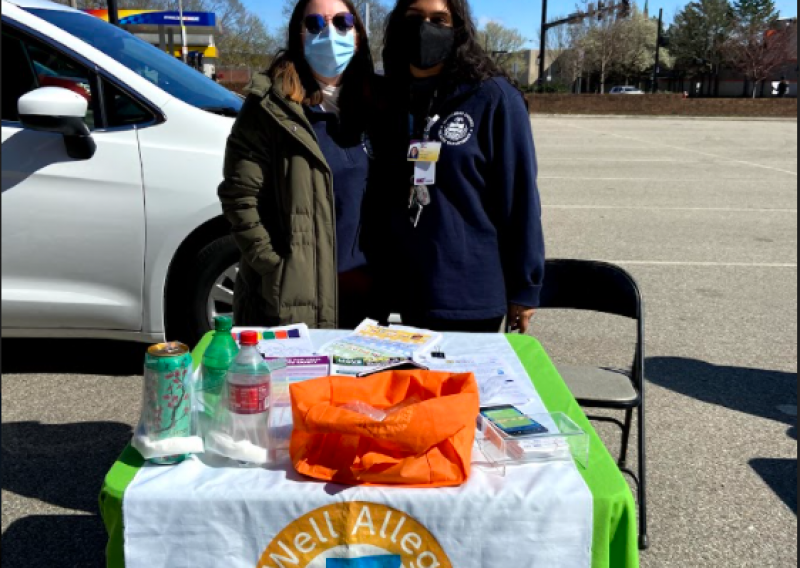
(316, 24)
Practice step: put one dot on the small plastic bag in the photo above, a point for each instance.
(252, 439)
(365, 410)
(167, 432)
(376, 414)
(238, 437)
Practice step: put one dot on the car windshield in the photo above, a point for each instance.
(168, 73)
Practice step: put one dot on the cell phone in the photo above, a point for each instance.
(512, 421)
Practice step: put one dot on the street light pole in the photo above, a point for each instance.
(543, 46)
(184, 43)
(659, 41)
(113, 12)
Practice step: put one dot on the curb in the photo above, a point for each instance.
(670, 117)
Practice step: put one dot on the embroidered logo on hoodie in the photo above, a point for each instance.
(457, 129)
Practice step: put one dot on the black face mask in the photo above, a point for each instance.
(427, 44)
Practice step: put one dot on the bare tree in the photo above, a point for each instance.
(757, 52)
(378, 16)
(561, 52)
(573, 60)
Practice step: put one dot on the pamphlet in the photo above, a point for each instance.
(372, 345)
(298, 369)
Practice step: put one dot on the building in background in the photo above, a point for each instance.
(163, 30)
(523, 66)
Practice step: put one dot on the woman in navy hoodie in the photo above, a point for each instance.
(462, 248)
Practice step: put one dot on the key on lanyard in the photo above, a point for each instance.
(416, 218)
(420, 198)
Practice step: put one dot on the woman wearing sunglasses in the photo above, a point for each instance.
(465, 229)
(296, 173)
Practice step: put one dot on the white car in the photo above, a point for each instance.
(112, 153)
(626, 91)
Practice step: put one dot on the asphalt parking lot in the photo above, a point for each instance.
(702, 212)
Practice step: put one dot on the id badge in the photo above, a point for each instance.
(424, 151)
(425, 173)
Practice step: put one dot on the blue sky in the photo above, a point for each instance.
(524, 15)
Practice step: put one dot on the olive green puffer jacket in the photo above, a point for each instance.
(278, 197)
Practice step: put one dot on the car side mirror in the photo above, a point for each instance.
(58, 110)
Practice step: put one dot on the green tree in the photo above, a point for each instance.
(758, 13)
(698, 36)
(700, 30)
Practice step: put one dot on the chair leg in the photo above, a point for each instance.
(644, 541)
(626, 439)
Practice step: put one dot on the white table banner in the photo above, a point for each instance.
(201, 514)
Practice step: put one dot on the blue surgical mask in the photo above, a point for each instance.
(330, 52)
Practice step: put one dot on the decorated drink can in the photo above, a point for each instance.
(168, 387)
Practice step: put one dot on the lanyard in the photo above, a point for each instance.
(430, 121)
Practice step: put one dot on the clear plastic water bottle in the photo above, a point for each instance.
(240, 430)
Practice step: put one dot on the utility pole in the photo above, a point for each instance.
(659, 43)
(543, 46)
(74, 3)
(184, 42)
(113, 13)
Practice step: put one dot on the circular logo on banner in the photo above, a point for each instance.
(457, 129)
(355, 535)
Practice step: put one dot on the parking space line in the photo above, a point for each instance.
(655, 180)
(624, 160)
(704, 264)
(657, 208)
(696, 152)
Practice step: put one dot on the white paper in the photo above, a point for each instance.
(425, 173)
(300, 346)
(498, 384)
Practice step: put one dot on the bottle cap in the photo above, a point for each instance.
(248, 338)
(223, 323)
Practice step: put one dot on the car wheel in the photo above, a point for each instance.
(210, 280)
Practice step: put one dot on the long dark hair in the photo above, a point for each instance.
(299, 85)
(469, 62)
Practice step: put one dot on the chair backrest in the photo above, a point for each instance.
(592, 286)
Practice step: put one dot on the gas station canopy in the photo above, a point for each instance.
(163, 29)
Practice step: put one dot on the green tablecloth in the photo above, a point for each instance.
(615, 526)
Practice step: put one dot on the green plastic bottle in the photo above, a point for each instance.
(216, 361)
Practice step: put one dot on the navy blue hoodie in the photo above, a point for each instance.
(479, 245)
(349, 163)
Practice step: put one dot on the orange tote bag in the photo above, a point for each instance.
(425, 440)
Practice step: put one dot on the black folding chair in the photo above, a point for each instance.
(605, 288)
